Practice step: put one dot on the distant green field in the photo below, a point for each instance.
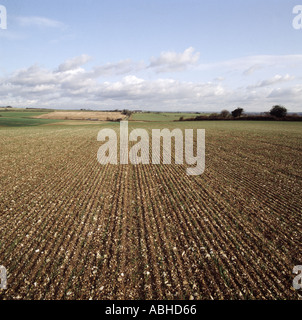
(22, 118)
(165, 116)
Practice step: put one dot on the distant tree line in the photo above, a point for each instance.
(5, 108)
(126, 112)
(277, 112)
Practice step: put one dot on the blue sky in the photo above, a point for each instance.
(151, 54)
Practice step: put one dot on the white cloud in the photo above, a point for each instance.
(39, 22)
(219, 79)
(71, 85)
(45, 86)
(74, 63)
(173, 61)
(272, 81)
(283, 93)
(249, 65)
(252, 69)
(31, 77)
(119, 68)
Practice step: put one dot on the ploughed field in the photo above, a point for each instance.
(74, 229)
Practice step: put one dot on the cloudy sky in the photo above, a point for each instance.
(168, 55)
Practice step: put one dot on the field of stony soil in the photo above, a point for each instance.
(74, 229)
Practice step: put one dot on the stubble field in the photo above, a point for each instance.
(74, 229)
